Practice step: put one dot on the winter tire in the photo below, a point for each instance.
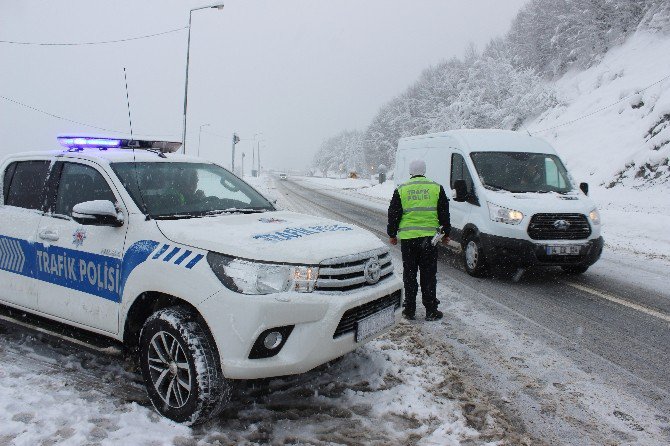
(473, 256)
(181, 367)
(576, 269)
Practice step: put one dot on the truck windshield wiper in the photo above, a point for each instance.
(178, 216)
(175, 216)
(236, 211)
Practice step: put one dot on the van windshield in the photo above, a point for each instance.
(522, 172)
(170, 190)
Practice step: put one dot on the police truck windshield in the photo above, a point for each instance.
(173, 190)
(522, 172)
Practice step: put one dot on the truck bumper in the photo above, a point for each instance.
(319, 326)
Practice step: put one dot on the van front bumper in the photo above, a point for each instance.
(502, 251)
(315, 319)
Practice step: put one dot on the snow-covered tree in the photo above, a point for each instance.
(503, 85)
(342, 153)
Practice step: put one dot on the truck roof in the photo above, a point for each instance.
(489, 140)
(110, 155)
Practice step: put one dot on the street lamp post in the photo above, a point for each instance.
(188, 49)
(253, 150)
(200, 135)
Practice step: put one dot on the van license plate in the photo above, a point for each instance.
(375, 323)
(564, 250)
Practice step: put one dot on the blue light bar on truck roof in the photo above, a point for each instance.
(80, 142)
(90, 142)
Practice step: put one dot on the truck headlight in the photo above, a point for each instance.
(504, 215)
(247, 277)
(594, 216)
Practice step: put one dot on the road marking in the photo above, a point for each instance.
(623, 302)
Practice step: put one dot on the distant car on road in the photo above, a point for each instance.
(283, 176)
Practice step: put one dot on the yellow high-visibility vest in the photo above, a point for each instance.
(418, 197)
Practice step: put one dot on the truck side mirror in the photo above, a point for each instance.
(97, 213)
(584, 187)
(461, 190)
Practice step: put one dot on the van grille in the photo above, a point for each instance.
(351, 317)
(347, 273)
(559, 227)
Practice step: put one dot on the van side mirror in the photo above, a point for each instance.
(584, 187)
(461, 190)
(97, 213)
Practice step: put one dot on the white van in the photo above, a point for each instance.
(194, 271)
(514, 203)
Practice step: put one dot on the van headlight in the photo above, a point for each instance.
(504, 215)
(247, 277)
(594, 216)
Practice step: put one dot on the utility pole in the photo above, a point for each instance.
(236, 139)
(253, 161)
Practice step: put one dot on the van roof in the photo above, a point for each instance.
(491, 140)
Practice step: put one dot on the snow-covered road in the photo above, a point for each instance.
(398, 389)
(572, 361)
(529, 363)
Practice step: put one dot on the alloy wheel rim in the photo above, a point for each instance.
(169, 369)
(471, 254)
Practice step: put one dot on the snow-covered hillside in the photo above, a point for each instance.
(612, 124)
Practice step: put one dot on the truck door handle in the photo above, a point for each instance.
(48, 234)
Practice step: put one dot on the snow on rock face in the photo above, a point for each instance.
(612, 124)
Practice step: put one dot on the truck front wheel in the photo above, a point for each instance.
(180, 366)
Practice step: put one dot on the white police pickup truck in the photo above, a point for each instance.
(192, 269)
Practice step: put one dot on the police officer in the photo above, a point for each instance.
(418, 208)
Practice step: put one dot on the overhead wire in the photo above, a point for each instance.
(602, 108)
(74, 121)
(101, 42)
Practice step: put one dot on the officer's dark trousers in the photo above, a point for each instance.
(418, 254)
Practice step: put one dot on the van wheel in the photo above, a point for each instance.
(473, 256)
(180, 366)
(576, 269)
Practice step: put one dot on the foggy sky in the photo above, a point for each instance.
(298, 71)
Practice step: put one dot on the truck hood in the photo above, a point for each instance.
(285, 237)
(550, 202)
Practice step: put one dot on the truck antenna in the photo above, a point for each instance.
(130, 120)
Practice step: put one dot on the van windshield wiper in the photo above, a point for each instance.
(494, 187)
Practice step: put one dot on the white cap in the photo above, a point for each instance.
(417, 167)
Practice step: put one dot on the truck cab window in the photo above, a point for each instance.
(80, 183)
(7, 179)
(24, 188)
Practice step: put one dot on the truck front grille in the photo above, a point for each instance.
(351, 317)
(349, 272)
(559, 227)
